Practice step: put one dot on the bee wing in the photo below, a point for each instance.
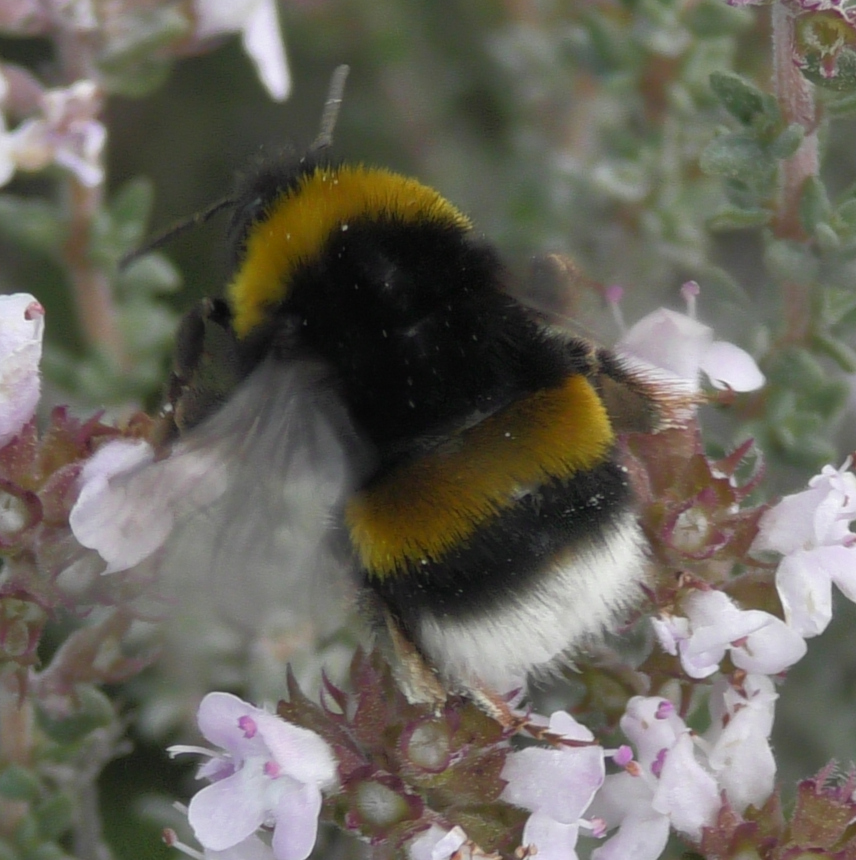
(289, 458)
(244, 513)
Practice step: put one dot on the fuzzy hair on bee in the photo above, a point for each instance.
(389, 418)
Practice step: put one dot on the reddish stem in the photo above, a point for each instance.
(796, 102)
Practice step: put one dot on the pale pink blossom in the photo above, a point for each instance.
(739, 754)
(271, 774)
(67, 132)
(669, 786)
(812, 531)
(681, 347)
(258, 23)
(556, 786)
(129, 503)
(106, 518)
(22, 325)
(251, 848)
(756, 641)
(437, 843)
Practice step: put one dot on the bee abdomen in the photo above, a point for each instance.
(510, 519)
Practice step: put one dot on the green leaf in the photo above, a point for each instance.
(150, 275)
(121, 226)
(788, 142)
(132, 203)
(814, 206)
(711, 19)
(745, 102)
(95, 712)
(841, 353)
(827, 239)
(790, 261)
(846, 213)
(32, 222)
(47, 851)
(133, 62)
(735, 218)
(837, 304)
(839, 105)
(18, 783)
(739, 156)
(55, 816)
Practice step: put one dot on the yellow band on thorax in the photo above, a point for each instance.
(299, 223)
(434, 504)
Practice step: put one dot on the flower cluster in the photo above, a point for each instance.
(270, 774)
(678, 779)
(812, 532)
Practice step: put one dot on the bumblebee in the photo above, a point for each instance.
(439, 440)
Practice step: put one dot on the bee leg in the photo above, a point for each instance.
(415, 677)
(497, 708)
(636, 401)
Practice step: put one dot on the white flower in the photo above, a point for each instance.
(556, 786)
(682, 347)
(757, 641)
(129, 503)
(271, 773)
(668, 786)
(22, 325)
(435, 843)
(812, 530)
(67, 133)
(740, 755)
(258, 23)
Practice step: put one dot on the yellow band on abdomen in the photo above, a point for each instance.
(421, 510)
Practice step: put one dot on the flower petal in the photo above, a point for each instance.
(436, 843)
(687, 793)
(671, 341)
(770, 650)
(559, 782)
(107, 517)
(805, 589)
(250, 849)
(262, 41)
(21, 330)
(219, 717)
(224, 813)
(296, 828)
(729, 366)
(740, 755)
(553, 840)
(639, 838)
(302, 754)
(840, 563)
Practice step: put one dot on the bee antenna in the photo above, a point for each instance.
(173, 230)
(331, 109)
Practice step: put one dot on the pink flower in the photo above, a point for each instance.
(435, 843)
(68, 133)
(129, 504)
(812, 531)
(683, 347)
(739, 754)
(556, 786)
(22, 325)
(258, 23)
(271, 774)
(105, 518)
(756, 640)
(668, 787)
